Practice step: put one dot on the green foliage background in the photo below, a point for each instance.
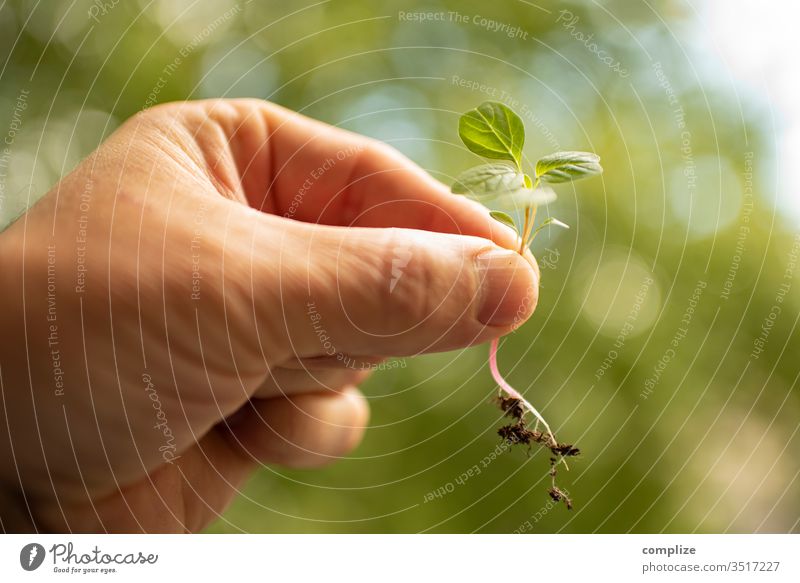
(713, 447)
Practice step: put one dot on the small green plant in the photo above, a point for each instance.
(494, 131)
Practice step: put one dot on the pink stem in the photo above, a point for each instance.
(508, 389)
(498, 378)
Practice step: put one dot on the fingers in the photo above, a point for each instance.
(305, 431)
(301, 431)
(382, 292)
(364, 183)
(385, 291)
(303, 169)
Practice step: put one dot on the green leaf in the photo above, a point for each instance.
(502, 183)
(504, 218)
(493, 130)
(489, 180)
(567, 166)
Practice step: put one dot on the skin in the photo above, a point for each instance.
(163, 390)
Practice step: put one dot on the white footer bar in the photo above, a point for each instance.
(406, 558)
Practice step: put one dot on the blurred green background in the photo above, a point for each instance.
(685, 426)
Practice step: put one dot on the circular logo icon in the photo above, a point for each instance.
(31, 556)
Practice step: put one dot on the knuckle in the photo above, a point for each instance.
(377, 154)
(407, 280)
(425, 279)
(155, 115)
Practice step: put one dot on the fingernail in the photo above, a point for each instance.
(509, 288)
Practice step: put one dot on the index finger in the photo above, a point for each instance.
(306, 170)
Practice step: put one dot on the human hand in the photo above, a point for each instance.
(189, 302)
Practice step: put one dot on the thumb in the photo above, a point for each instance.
(366, 291)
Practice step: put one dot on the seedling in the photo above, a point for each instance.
(494, 131)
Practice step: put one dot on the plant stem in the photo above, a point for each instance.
(528, 237)
(511, 391)
(525, 226)
(530, 220)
